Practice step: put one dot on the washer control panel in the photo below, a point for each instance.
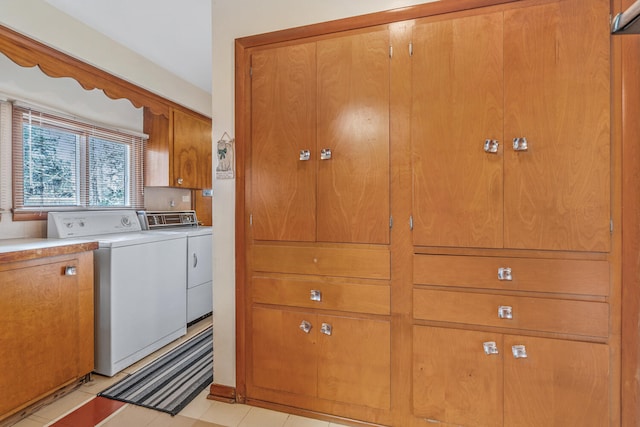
(69, 224)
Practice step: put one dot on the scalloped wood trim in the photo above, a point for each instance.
(27, 52)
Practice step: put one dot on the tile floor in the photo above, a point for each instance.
(201, 412)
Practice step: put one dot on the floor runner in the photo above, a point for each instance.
(170, 382)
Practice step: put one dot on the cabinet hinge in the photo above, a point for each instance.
(391, 222)
(250, 219)
(390, 51)
(411, 222)
(611, 225)
(410, 49)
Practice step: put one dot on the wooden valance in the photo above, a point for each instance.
(27, 52)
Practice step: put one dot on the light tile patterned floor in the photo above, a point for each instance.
(201, 412)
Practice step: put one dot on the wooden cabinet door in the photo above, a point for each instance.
(192, 161)
(454, 380)
(557, 96)
(40, 318)
(283, 356)
(283, 123)
(353, 122)
(457, 105)
(559, 383)
(354, 361)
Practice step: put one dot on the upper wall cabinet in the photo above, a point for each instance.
(520, 158)
(320, 140)
(179, 150)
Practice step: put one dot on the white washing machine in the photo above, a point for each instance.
(140, 284)
(199, 255)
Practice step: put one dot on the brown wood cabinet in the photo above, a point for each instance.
(481, 85)
(46, 312)
(179, 150)
(501, 304)
(320, 140)
(479, 379)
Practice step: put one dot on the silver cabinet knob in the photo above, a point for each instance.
(505, 312)
(305, 327)
(520, 144)
(305, 155)
(70, 270)
(325, 154)
(180, 181)
(490, 347)
(316, 295)
(491, 146)
(519, 351)
(504, 273)
(326, 329)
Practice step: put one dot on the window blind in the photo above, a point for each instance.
(66, 163)
(5, 156)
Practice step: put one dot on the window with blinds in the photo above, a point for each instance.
(64, 163)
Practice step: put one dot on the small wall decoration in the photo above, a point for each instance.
(226, 157)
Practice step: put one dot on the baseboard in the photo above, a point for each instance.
(222, 393)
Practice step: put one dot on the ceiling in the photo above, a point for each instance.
(173, 37)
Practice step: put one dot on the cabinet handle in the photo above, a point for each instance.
(70, 270)
(504, 273)
(305, 327)
(305, 155)
(490, 347)
(316, 295)
(505, 312)
(326, 329)
(491, 146)
(519, 351)
(180, 181)
(325, 154)
(195, 260)
(520, 144)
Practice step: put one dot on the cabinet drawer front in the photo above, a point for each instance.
(368, 263)
(540, 275)
(358, 298)
(536, 314)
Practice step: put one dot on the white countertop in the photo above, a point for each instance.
(22, 249)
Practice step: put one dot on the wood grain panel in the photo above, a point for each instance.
(192, 161)
(454, 381)
(557, 95)
(283, 122)
(354, 361)
(354, 297)
(456, 106)
(629, 231)
(353, 121)
(283, 357)
(40, 314)
(534, 314)
(322, 261)
(559, 383)
(158, 161)
(538, 275)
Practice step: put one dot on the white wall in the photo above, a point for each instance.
(231, 20)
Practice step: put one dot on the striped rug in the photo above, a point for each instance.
(170, 382)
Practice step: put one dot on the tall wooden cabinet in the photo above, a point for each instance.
(491, 297)
(318, 205)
